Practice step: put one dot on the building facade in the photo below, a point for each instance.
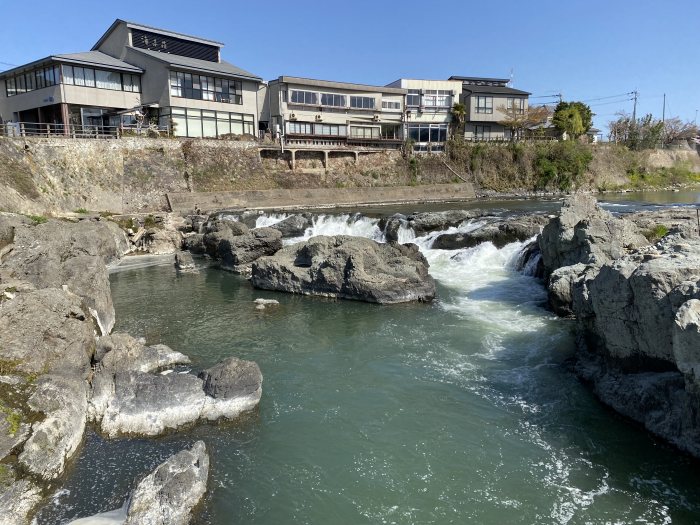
(175, 80)
(429, 103)
(488, 101)
(307, 110)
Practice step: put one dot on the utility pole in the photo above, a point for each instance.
(663, 112)
(634, 110)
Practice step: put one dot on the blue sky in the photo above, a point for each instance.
(584, 49)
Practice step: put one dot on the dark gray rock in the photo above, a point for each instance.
(348, 268)
(225, 225)
(427, 222)
(184, 262)
(391, 225)
(194, 243)
(232, 377)
(169, 494)
(499, 233)
(293, 226)
(236, 252)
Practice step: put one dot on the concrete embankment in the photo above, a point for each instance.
(319, 197)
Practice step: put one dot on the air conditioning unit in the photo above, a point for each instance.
(319, 118)
(375, 118)
(293, 116)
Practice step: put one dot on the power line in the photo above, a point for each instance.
(611, 96)
(7, 63)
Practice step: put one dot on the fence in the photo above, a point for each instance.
(79, 131)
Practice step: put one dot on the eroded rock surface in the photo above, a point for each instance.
(235, 251)
(348, 268)
(499, 233)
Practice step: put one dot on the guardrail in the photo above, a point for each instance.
(35, 129)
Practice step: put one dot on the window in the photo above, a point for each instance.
(484, 105)
(198, 87)
(482, 132)
(331, 130)
(362, 102)
(299, 128)
(108, 79)
(428, 132)
(328, 99)
(413, 98)
(516, 104)
(365, 132)
(131, 83)
(304, 97)
(437, 98)
(390, 131)
(31, 80)
(391, 104)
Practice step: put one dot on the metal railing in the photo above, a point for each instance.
(91, 131)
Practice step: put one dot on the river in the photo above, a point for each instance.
(460, 411)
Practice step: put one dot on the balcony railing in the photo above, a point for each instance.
(79, 131)
(336, 141)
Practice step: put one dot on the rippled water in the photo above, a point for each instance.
(461, 411)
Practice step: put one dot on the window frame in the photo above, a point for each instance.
(487, 107)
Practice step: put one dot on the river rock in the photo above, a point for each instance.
(46, 331)
(225, 225)
(63, 400)
(184, 262)
(638, 316)
(499, 233)
(17, 501)
(236, 252)
(347, 268)
(293, 226)
(194, 243)
(560, 288)
(232, 387)
(391, 225)
(160, 241)
(422, 223)
(585, 233)
(168, 495)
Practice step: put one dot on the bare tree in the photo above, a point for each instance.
(675, 129)
(517, 120)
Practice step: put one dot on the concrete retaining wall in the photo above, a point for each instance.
(319, 197)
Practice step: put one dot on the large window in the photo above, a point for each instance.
(299, 128)
(365, 132)
(362, 102)
(330, 130)
(516, 104)
(413, 98)
(304, 97)
(100, 78)
(427, 132)
(484, 105)
(437, 98)
(328, 99)
(391, 104)
(189, 122)
(200, 87)
(31, 80)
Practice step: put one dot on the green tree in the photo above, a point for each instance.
(459, 113)
(569, 120)
(584, 112)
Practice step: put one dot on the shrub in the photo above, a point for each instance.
(38, 219)
(561, 165)
(80, 210)
(657, 232)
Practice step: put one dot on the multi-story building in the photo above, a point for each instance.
(179, 81)
(488, 101)
(429, 111)
(312, 111)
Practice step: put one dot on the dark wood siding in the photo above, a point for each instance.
(174, 46)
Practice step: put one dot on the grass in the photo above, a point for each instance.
(150, 222)
(13, 418)
(662, 177)
(38, 219)
(8, 366)
(657, 232)
(80, 210)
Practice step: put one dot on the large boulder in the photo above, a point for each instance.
(426, 222)
(18, 501)
(639, 318)
(169, 494)
(231, 386)
(348, 268)
(236, 252)
(293, 226)
(46, 331)
(585, 233)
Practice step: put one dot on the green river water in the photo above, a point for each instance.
(460, 411)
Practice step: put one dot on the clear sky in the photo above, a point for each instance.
(583, 49)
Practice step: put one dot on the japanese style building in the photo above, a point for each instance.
(135, 71)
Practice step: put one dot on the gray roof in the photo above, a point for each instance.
(341, 85)
(96, 58)
(86, 58)
(195, 64)
(479, 79)
(166, 32)
(495, 90)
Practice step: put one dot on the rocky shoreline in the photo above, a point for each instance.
(61, 368)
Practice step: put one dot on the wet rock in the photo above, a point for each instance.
(293, 226)
(347, 268)
(232, 387)
(194, 243)
(427, 222)
(391, 225)
(169, 494)
(184, 262)
(499, 233)
(160, 241)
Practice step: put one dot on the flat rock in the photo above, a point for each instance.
(169, 494)
(347, 268)
(18, 501)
